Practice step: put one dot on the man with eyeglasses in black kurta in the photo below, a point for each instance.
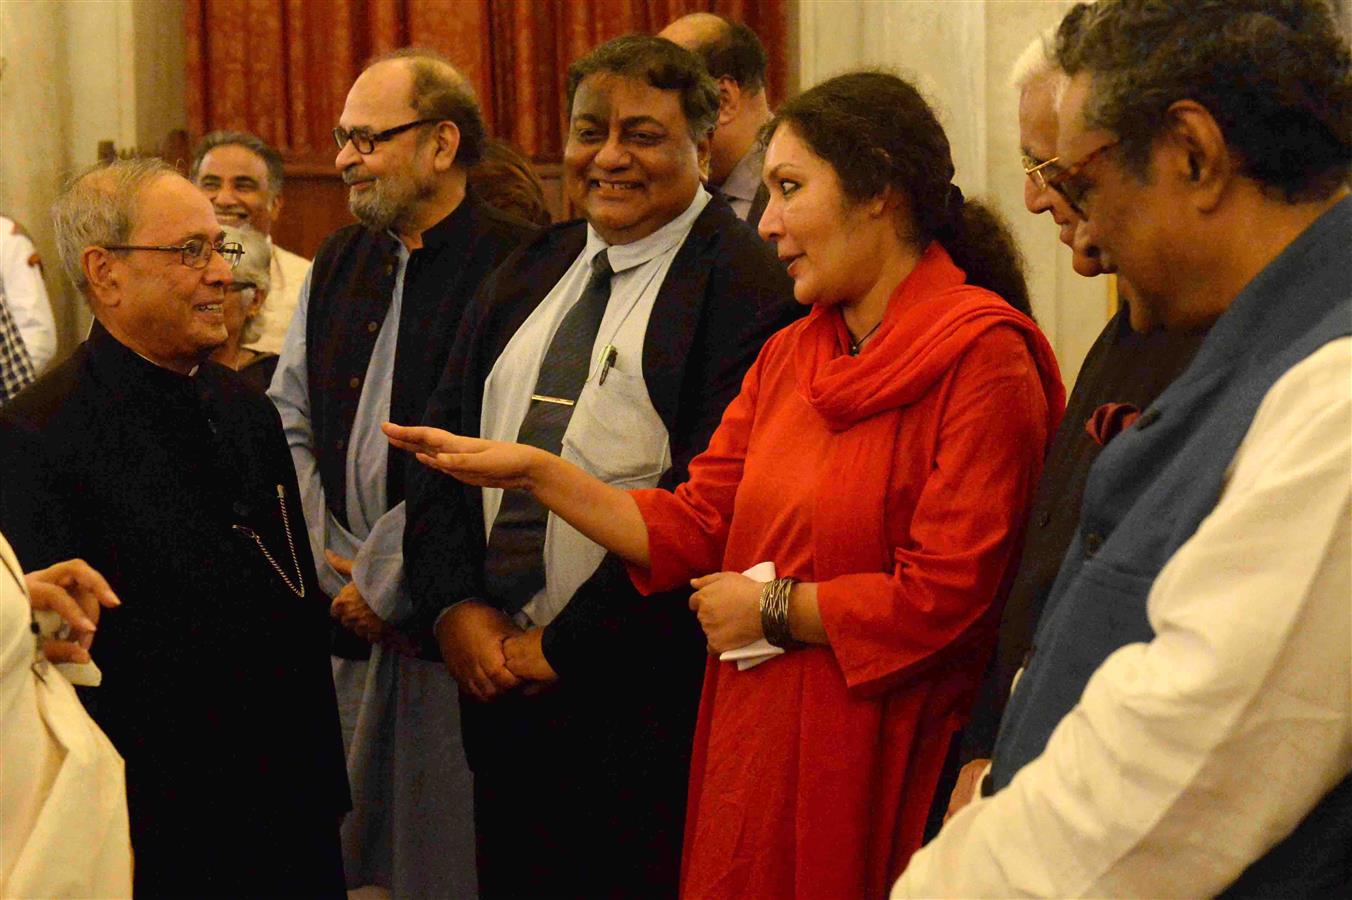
(171, 476)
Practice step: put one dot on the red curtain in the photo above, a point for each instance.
(282, 68)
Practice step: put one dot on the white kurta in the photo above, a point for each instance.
(63, 793)
(1190, 756)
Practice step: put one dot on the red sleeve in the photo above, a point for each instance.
(966, 527)
(688, 527)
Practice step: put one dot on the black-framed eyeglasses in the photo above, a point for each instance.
(1069, 183)
(1035, 169)
(195, 253)
(364, 140)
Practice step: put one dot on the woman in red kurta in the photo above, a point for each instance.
(882, 453)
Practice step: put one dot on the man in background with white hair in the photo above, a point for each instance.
(1183, 726)
(1130, 363)
(245, 299)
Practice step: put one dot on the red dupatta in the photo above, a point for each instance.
(931, 319)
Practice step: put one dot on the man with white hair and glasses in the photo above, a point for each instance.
(1130, 363)
(172, 478)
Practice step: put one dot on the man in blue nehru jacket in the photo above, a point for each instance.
(1184, 723)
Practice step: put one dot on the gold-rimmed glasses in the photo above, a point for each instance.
(1035, 169)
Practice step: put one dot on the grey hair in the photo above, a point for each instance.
(97, 207)
(442, 93)
(1275, 75)
(1036, 62)
(255, 267)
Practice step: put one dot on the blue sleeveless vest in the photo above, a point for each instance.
(1148, 492)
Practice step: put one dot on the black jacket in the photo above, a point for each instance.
(216, 682)
(617, 727)
(351, 287)
(1122, 367)
(723, 296)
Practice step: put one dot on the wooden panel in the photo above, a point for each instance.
(551, 179)
(314, 206)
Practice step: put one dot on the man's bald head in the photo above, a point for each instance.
(437, 91)
(695, 30)
(733, 55)
(728, 49)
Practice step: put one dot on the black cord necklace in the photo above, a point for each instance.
(856, 344)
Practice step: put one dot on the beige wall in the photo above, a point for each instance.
(78, 72)
(959, 52)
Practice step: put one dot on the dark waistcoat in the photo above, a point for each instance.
(1148, 492)
(351, 288)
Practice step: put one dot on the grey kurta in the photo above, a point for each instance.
(412, 825)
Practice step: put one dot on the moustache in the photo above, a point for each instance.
(352, 176)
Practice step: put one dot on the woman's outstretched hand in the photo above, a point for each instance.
(74, 591)
(472, 460)
(604, 513)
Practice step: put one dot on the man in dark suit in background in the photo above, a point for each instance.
(170, 476)
(617, 341)
(736, 59)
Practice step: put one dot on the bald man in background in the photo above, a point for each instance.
(736, 59)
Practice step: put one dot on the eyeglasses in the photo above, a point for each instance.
(1069, 183)
(364, 140)
(1034, 169)
(196, 253)
(239, 287)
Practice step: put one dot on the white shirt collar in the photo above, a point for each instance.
(634, 253)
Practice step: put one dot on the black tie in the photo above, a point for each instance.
(514, 568)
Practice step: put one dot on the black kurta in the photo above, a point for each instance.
(1122, 366)
(216, 684)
